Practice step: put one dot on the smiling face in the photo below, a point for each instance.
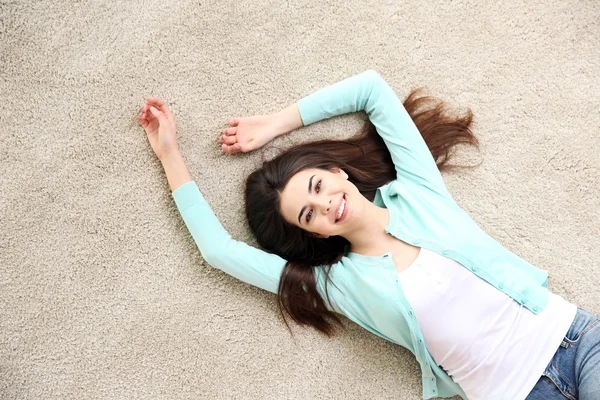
(314, 198)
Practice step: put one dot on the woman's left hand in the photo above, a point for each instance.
(248, 133)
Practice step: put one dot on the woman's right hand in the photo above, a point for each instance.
(248, 133)
(159, 124)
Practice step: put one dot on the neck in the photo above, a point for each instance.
(371, 230)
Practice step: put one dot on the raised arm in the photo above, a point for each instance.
(369, 92)
(218, 249)
(366, 91)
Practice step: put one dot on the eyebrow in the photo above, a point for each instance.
(309, 192)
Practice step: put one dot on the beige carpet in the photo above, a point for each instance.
(103, 294)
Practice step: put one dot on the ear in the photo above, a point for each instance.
(340, 171)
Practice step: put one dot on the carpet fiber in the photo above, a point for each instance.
(103, 294)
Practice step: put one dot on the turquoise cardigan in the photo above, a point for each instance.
(422, 213)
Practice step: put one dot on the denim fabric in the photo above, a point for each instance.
(574, 371)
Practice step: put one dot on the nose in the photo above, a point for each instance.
(324, 205)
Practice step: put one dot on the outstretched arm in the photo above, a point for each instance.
(175, 169)
(218, 249)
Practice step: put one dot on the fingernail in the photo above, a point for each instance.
(141, 113)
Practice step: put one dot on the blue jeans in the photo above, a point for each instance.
(574, 371)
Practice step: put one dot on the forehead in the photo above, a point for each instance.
(295, 193)
(303, 176)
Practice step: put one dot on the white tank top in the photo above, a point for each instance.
(491, 346)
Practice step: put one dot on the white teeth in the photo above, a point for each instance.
(341, 210)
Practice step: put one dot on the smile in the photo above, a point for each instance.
(341, 210)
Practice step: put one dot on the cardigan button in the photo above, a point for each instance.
(410, 313)
(524, 300)
(445, 251)
(420, 340)
(501, 285)
(415, 241)
(474, 268)
(536, 308)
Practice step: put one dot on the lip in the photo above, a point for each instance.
(345, 209)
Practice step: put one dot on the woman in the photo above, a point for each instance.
(366, 228)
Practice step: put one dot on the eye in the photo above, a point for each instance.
(308, 214)
(318, 187)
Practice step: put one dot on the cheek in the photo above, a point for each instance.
(323, 225)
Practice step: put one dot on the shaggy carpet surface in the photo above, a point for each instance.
(103, 293)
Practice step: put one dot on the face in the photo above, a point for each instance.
(313, 198)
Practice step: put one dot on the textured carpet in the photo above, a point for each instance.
(103, 294)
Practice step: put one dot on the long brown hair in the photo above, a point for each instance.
(367, 161)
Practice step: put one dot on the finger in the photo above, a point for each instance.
(148, 115)
(155, 100)
(230, 131)
(233, 122)
(161, 105)
(231, 149)
(228, 139)
(160, 116)
(144, 111)
(142, 121)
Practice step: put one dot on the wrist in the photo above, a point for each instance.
(278, 125)
(175, 169)
(170, 155)
(287, 120)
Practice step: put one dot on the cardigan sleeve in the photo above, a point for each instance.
(238, 259)
(369, 92)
